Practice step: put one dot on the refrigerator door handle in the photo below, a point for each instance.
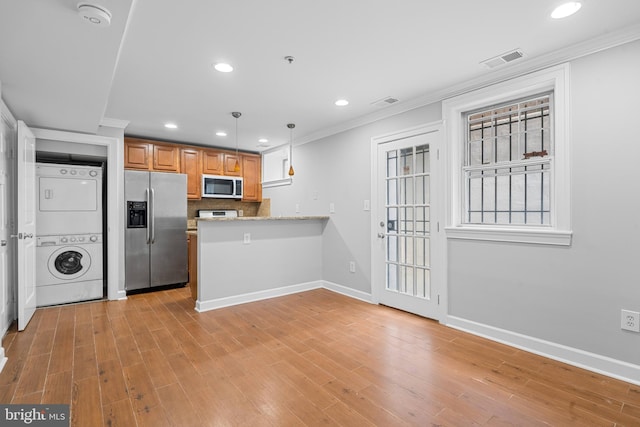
(148, 215)
(153, 215)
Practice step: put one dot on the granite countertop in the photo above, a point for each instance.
(266, 218)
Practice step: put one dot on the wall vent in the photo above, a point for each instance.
(503, 58)
(385, 101)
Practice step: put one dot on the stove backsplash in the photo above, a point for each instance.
(248, 208)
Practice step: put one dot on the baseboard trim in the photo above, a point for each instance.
(604, 365)
(202, 306)
(3, 359)
(353, 293)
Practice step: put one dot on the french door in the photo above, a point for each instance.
(408, 246)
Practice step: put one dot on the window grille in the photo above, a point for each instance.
(508, 163)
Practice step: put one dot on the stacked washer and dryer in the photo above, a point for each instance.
(69, 224)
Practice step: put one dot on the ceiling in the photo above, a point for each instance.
(153, 64)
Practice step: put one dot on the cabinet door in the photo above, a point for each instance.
(230, 160)
(252, 178)
(136, 154)
(212, 162)
(166, 158)
(190, 164)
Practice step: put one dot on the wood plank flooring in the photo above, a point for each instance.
(310, 359)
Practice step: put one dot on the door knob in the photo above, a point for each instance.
(3, 243)
(381, 235)
(28, 235)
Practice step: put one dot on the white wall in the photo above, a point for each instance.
(337, 170)
(574, 295)
(566, 296)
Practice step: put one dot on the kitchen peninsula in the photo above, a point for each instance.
(251, 258)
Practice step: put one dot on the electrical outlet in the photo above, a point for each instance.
(630, 321)
(352, 267)
(246, 238)
(332, 208)
(297, 207)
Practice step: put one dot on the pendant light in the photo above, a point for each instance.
(291, 126)
(236, 168)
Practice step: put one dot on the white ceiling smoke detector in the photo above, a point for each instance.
(94, 14)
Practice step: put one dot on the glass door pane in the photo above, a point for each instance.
(408, 202)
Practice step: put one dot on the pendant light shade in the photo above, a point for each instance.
(291, 126)
(236, 168)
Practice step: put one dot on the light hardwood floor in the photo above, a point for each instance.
(314, 358)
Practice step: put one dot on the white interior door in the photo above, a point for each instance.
(26, 224)
(4, 227)
(406, 251)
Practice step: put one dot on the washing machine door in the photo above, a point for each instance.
(69, 262)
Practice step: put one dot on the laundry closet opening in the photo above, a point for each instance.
(71, 222)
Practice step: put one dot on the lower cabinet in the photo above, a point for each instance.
(192, 244)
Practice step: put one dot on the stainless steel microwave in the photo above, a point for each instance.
(222, 187)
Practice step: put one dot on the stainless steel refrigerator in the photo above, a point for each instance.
(156, 225)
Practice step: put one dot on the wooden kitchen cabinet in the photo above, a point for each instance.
(230, 160)
(143, 154)
(146, 154)
(166, 158)
(252, 174)
(190, 164)
(212, 162)
(136, 154)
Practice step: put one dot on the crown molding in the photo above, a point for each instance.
(114, 123)
(526, 66)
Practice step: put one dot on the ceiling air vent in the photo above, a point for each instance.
(503, 59)
(385, 101)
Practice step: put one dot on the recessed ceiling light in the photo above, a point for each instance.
(263, 140)
(171, 126)
(566, 9)
(221, 133)
(341, 102)
(223, 67)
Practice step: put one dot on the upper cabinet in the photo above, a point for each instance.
(136, 154)
(144, 154)
(230, 161)
(190, 165)
(166, 158)
(212, 162)
(252, 178)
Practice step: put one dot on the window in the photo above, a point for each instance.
(507, 168)
(508, 160)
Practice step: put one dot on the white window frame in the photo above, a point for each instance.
(554, 79)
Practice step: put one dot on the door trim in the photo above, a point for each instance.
(115, 205)
(439, 260)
